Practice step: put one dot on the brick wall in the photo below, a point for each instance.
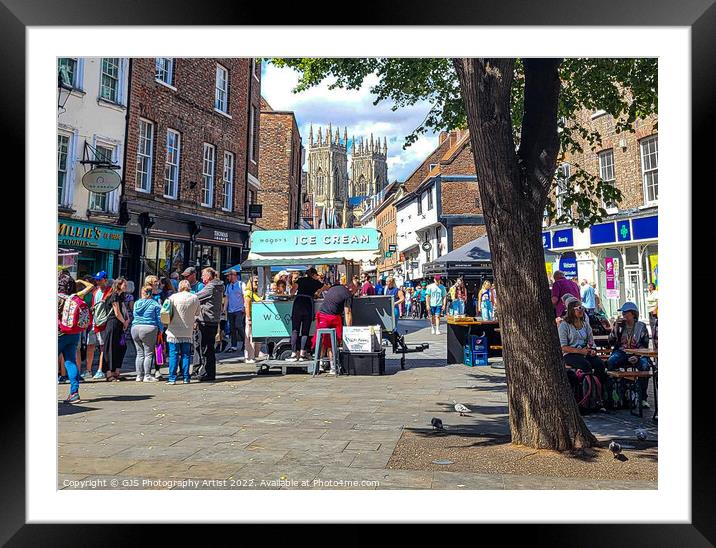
(627, 160)
(462, 235)
(279, 170)
(385, 222)
(190, 110)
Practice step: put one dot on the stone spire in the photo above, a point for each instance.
(310, 135)
(329, 135)
(353, 146)
(385, 146)
(345, 137)
(371, 142)
(320, 142)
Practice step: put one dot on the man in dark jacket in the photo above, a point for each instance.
(210, 299)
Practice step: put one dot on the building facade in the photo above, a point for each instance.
(327, 174)
(386, 222)
(281, 158)
(443, 211)
(91, 125)
(620, 253)
(193, 148)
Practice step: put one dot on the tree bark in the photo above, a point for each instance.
(514, 187)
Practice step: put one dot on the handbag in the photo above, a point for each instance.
(159, 349)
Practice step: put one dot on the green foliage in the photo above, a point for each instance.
(625, 88)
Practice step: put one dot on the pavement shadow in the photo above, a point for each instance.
(64, 409)
(486, 439)
(118, 398)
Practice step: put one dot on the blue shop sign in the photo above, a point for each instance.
(623, 230)
(563, 238)
(568, 265)
(546, 240)
(602, 234)
(81, 235)
(646, 228)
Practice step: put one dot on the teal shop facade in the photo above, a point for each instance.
(86, 247)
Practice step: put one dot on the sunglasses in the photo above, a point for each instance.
(579, 308)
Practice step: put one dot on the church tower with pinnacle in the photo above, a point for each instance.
(327, 174)
(369, 169)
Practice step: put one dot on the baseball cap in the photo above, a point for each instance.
(568, 298)
(100, 275)
(629, 307)
(232, 271)
(189, 271)
(174, 275)
(438, 276)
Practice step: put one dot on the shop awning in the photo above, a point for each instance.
(236, 267)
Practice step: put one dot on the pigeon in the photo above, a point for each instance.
(615, 448)
(437, 424)
(462, 409)
(640, 434)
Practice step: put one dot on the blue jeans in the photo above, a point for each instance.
(458, 307)
(619, 358)
(175, 350)
(487, 311)
(67, 346)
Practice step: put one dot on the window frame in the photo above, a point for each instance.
(106, 209)
(655, 170)
(561, 189)
(62, 197)
(229, 183)
(118, 78)
(150, 156)
(208, 177)
(430, 198)
(169, 71)
(169, 165)
(420, 203)
(217, 89)
(613, 181)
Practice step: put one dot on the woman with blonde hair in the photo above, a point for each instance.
(486, 299)
(153, 281)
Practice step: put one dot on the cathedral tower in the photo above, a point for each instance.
(327, 176)
(369, 170)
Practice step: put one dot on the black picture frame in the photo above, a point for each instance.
(699, 15)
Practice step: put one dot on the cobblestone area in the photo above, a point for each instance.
(290, 432)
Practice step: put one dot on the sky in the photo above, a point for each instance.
(352, 109)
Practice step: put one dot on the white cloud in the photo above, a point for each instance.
(353, 109)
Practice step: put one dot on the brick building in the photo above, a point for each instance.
(281, 157)
(627, 239)
(193, 151)
(386, 222)
(442, 211)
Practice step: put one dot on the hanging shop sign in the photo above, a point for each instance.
(546, 240)
(568, 265)
(427, 246)
(255, 211)
(610, 266)
(624, 230)
(77, 234)
(101, 180)
(654, 266)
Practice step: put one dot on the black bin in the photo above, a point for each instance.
(364, 363)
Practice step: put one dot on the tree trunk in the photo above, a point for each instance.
(513, 187)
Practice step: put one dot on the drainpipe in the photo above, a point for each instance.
(122, 192)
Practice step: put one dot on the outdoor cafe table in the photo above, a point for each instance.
(654, 354)
(459, 330)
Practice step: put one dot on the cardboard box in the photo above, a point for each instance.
(360, 339)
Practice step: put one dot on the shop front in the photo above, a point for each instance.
(87, 248)
(161, 245)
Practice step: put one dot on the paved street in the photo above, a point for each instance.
(246, 431)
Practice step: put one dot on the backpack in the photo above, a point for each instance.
(101, 313)
(589, 391)
(166, 313)
(75, 316)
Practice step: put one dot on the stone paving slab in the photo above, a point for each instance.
(296, 426)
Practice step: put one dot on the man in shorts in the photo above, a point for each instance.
(435, 300)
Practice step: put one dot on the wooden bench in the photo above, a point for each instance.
(495, 347)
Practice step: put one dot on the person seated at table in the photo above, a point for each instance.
(629, 333)
(577, 341)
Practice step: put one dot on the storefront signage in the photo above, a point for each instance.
(213, 235)
(563, 238)
(654, 266)
(392, 247)
(255, 211)
(568, 265)
(602, 234)
(309, 241)
(546, 240)
(101, 180)
(646, 228)
(87, 235)
(548, 267)
(221, 236)
(623, 230)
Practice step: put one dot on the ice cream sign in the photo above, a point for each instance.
(292, 241)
